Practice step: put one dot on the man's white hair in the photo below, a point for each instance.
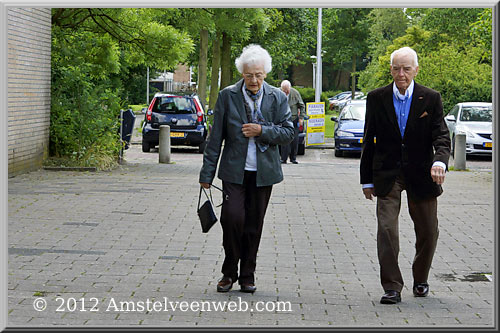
(406, 50)
(286, 83)
(254, 54)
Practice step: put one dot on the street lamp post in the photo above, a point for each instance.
(314, 71)
(318, 60)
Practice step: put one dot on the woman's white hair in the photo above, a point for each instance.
(406, 50)
(254, 54)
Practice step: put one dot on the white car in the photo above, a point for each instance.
(473, 119)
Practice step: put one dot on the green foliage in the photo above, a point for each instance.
(458, 76)
(308, 95)
(95, 52)
(291, 38)
(460, 71)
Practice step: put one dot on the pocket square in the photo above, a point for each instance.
(425, 114)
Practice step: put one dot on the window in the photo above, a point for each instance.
(476, 113)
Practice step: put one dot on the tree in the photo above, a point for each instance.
(290, 38)
(92, 49)
(346, 37)
(385, 25)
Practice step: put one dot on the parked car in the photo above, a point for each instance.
(473, 119)
(185, 115)
(334, 100)
(357, 95)
(301, 150)
(349, 127)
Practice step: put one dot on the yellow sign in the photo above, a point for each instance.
(316, 124)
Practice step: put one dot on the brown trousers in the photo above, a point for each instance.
(242, 219)
(424, 217)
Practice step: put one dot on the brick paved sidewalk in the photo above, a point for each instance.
(132, 235)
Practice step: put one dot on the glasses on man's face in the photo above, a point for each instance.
(258, 76)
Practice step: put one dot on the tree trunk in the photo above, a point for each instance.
(225, 65)
(214, 81)
(202, 67)
(353, 88)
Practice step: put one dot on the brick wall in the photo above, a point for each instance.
(28, 87)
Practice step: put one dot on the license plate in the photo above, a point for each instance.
(176, 134)
(360, 140)
(487, 144)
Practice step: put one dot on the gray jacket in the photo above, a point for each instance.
(229, 116)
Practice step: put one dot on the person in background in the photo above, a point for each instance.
(406, 146)
(251, 118)
(297, 108)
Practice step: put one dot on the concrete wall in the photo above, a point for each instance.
(28, 87)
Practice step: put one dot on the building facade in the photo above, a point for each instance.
(28, 87)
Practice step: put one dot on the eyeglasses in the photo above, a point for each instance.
(258, 76)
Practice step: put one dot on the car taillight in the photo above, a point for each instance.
(150, 110)
(199, 113)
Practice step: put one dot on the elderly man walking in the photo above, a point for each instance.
(406, 146)
(251, 118)
(297, 108)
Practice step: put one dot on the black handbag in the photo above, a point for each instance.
(206, 212)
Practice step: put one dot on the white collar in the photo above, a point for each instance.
(408, 92)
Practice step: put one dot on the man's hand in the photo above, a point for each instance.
(205, 185)
(251, 129)
(437, 174)
(369, 193)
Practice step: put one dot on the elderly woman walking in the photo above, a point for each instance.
(251, 118)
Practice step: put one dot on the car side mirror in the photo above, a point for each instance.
(334, 119)
(210, 112)
(450, 117)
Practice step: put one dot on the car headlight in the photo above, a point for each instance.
(344, 133)
(468, 134)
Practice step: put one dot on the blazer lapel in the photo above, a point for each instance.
(389, 107)
(237, 97)
(266, 104)
(416, 110)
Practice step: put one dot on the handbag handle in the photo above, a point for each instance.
(210, 191)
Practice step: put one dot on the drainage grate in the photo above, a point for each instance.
(86, 224)
(178, 258)
(472, 277)
(37, 252)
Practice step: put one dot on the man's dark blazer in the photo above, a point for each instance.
(426, 140)
(229, 117)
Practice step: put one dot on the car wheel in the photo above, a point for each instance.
(201, 147)
(301, 149)
(338, 153)
(145, 147)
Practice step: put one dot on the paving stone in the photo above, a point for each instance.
(318, 249)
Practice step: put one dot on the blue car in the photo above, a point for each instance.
(349, 127)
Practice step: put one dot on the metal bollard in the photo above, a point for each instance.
(459, 152)
(164, 144)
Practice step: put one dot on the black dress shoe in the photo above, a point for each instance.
(283, 162)
(295, 162)
(248, 288)
(420, 289)
(391, 297)
(225, 284)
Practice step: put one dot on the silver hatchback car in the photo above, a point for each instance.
(475, 120)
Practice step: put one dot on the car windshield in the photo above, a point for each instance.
(354, 112)
(175, 104)
(476, 113)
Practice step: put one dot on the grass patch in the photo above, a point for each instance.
(137, 107)
(101, 163)
(452, 168)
